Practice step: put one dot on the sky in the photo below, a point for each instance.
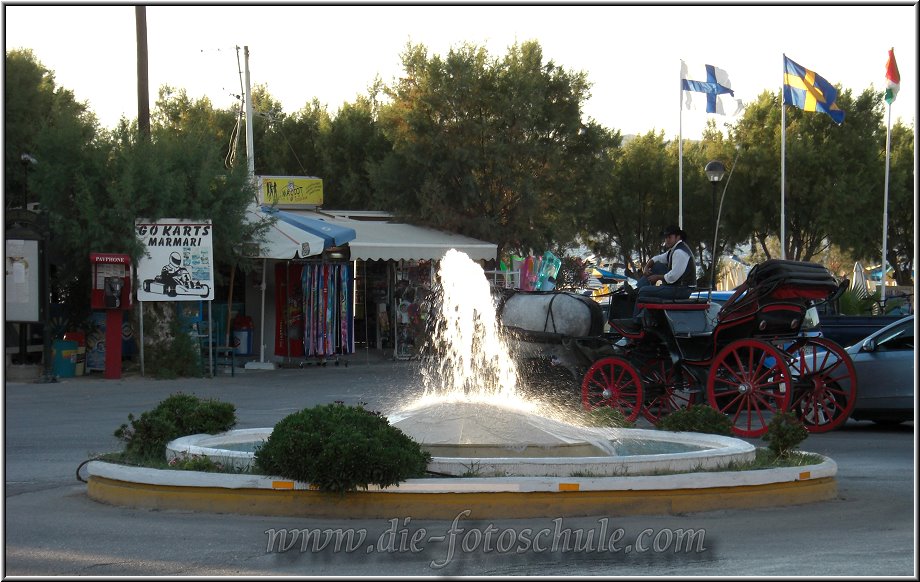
(631, 54)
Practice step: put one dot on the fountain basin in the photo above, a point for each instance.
(641, 452)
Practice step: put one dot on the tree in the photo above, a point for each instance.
(485, 147)
(289, 145)
(828, 169)
(33, 105)
(642, 197)
(701, 209)
(353, 144)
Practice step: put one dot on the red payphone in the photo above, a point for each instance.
(111, 281)
(112, 292)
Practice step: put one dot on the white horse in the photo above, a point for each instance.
(564, 328)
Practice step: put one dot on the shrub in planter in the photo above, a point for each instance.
(177, 416)
(341, 448)
(784, 433)
(697, 418)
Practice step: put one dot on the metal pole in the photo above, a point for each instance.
(782, 170)
(250, 155)
(885, 214)
(210, 342)
(141, 307)
(47, 375)
(680, 155)
(262, 330)
(715, 237)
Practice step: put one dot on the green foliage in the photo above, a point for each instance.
(186, 462)
(607, 416)
(784, 433)
(178, 415)
(697, 418)
(177, 356)
(573, 273)
(340, 448)
(491, 148)
(851, 304)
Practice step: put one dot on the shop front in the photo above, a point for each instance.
(301, 292)
(392, 266)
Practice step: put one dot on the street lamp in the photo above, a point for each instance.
(27, 162)
(715, 170)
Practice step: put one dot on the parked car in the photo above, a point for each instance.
(885, 365)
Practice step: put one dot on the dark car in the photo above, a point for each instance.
(885, 363)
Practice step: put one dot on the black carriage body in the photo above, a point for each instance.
(749, 357)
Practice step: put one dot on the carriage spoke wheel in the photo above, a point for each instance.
(749, 381)
(613, 382)
(824, 383)
(667, 388)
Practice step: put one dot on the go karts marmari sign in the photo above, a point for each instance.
(179, 262)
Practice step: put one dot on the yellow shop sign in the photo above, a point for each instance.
(291, 191)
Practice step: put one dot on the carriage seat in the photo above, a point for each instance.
(690, 317)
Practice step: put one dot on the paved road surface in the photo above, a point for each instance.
(52, 528)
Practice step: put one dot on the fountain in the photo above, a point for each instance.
(474, 420)
(493, 448)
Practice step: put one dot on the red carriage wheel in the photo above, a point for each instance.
(667, 388)
(750, 382)
(613, 382)
(824, 383)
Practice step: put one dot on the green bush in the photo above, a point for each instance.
(697, 418)
(851, 304)
(607, 416)
(339, 448)
(177, 357)
(177, 416)
(784, 433)
(187, 462)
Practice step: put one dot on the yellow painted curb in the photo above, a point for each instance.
(383, 505)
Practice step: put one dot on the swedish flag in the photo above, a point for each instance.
(809, 91)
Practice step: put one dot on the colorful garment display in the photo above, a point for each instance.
(328, 311)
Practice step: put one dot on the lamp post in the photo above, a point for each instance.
(715, 171)
(27, 162)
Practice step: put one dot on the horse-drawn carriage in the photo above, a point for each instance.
(748, 358)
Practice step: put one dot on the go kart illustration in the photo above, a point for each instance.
(175, 280)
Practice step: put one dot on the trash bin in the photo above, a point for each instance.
(242, 335)
(80, 338)
(64, 358)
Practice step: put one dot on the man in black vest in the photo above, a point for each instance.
(675, 268)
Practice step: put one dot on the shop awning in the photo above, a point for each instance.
(334, 235)
(378, 238)
(283, 241)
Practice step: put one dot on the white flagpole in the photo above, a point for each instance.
(680, 153)
(885, 212)
(782, 171)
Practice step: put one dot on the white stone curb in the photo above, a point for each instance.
(700, 480)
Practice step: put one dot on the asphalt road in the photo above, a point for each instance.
(53, 528)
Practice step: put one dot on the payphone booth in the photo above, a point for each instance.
(111, 292)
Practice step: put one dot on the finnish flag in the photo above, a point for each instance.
(707, 88)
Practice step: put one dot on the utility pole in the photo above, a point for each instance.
(143, 89)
